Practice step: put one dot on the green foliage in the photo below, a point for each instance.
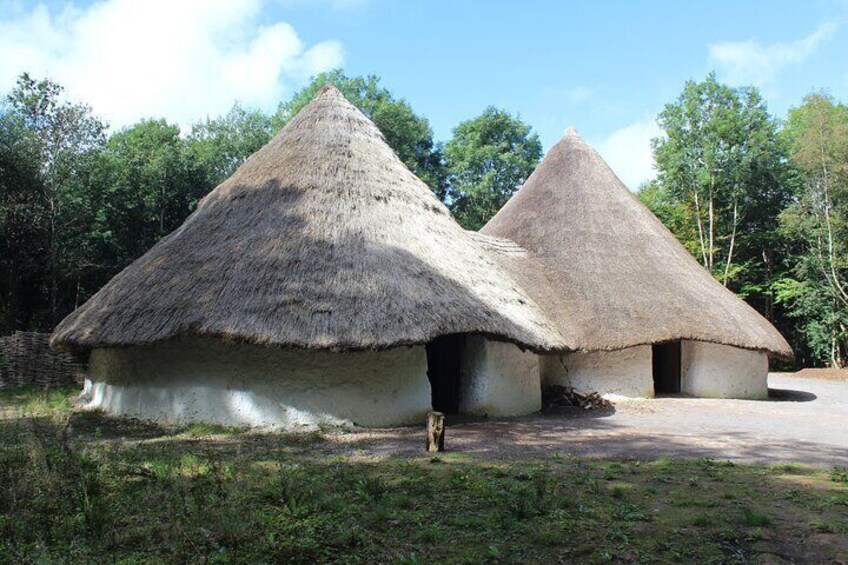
(489, 157)
(218, 146)
(816, 224)
(723, 180)
(75, 208)
(407, 133)
(721, 160)
(810, 303)
(62, 140)
(675, 214)
(22, 215)
(151, 186)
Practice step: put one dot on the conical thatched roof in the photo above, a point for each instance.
(322, 239)
(613, 275)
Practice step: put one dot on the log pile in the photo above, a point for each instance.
(26, 359)
(567, 397)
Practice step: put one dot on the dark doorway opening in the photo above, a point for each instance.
(444, 361)
(666, 361)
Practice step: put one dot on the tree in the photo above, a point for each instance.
(22, 212)
(151, 183)
(219, 146)
(67, 139)
(407, 133)
(817, 293)
(488, 158)
(720, 155)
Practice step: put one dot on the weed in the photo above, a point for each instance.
(789, 469)
(702, 520)
(839, 475)
(372, 488)
(618, 491)
(628, 513)
(751, 517)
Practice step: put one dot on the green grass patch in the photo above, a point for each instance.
(36, 401)
(81, 488)
(790, 468)
(754, 518)
(839, 475)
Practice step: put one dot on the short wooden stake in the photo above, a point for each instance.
(435, 432)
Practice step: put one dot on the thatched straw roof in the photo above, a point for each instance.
(612, 275)
(322, 239)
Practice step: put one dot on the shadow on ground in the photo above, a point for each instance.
(588, 437)
(794, 426)
(790, 395)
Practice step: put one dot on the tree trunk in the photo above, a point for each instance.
(732, 242)
(711, 221)
(51, 262)
(831, 254)
(700, 223)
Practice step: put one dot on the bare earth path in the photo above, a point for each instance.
(806, 421)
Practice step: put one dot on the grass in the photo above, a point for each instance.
(80, 488)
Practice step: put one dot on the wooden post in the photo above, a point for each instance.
(435, 432)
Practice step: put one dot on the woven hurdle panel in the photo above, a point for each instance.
(26, 359)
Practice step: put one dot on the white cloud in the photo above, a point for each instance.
(628, 152)
(750, 62)
(336, 5)
(182, 59)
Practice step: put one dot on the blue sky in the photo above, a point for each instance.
(605, 67)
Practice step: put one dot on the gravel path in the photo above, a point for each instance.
(805, 421)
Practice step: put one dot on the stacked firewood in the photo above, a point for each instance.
(26, 358)
(567, 397)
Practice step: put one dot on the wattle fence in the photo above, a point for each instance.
(26, 359)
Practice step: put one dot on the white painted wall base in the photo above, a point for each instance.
(624, 373)
(205, 380)
(498, 379)
(720, 371)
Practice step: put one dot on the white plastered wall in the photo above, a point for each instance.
(624, 373)
(498, 379)
(205, 380)
(721, 371)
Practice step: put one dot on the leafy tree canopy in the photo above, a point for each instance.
(489, 157)
(720, 157)
(220, 145)
(816, 290)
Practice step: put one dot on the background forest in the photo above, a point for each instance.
(760, 201)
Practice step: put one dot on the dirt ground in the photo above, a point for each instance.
(823, 374)
(804, 421)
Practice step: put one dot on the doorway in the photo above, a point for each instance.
(444, 367)
(666, 366)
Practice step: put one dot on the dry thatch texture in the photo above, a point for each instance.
(26, 359)
(322, 239)
(613, 275)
